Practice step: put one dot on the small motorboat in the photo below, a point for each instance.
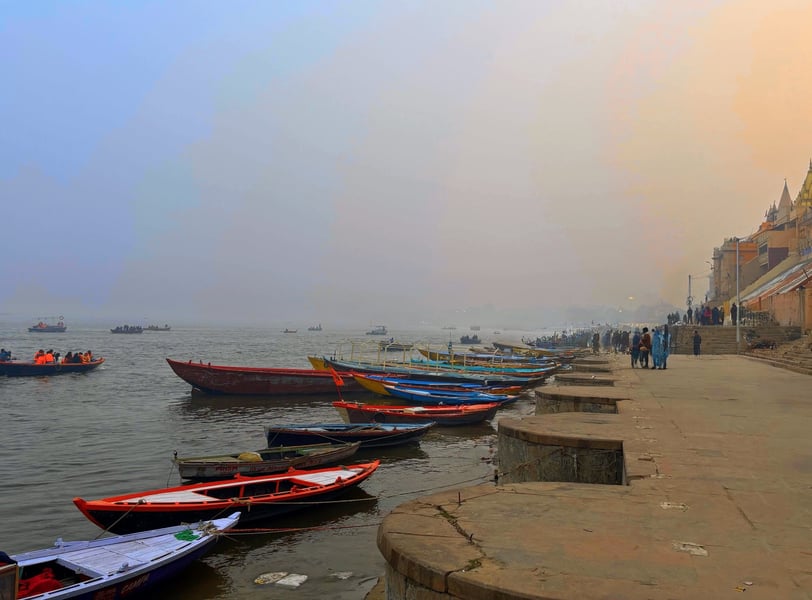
(465, 414)
(262, 462)
(255, 497)
(113, 567)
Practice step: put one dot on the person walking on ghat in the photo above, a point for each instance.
(634, 348)
(697, 342)
(656, 349)
(645, 348)
(666, 347)
(734, 313)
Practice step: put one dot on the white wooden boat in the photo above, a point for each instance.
(113, 567)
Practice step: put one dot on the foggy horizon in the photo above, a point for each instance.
(365, 163)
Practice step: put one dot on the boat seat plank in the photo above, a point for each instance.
(106, 560)
(326, 477)
(172, 497)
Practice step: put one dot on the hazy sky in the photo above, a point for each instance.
(365, 162)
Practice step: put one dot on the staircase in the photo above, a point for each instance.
(722, 339)
(794, 356)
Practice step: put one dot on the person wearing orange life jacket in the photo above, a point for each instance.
(87, 357)
(49, 357)
(39, 357)
(68, 358)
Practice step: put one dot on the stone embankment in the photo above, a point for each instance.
(690, 482)
(794, 356)
(722, 339)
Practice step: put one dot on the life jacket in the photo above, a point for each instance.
(40, 360)
(38, 584)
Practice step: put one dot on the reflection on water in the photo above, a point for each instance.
(114, 431)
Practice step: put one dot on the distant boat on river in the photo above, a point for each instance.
(158, 328)
(128, 329)
(44, 327)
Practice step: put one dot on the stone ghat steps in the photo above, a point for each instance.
(722, 339)
(795, 356)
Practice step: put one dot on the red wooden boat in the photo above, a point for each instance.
(260, 381)
(255, 497)
(465, 414)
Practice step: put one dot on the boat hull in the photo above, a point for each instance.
(29, 369)
(275, 460)
(152, 557)
(377, 385)
(429, 373)
(447, 416)
(48, 329)
(374, 435)
(259, 381)
(431, 397)
(255, 498)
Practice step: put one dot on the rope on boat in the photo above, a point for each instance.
(117, 521)
(264, 530)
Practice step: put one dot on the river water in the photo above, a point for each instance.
(114, 430)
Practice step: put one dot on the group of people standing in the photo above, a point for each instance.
(707, 315)
(646, 345)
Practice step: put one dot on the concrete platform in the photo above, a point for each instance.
(573, 378)
(722, 503)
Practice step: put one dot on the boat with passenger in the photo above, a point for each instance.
(17, 368)
(128, 329)
(44, 327)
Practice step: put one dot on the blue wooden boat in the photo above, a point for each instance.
(431, 373)
(371, 435)
(113, 567)
(497, 369)
(375, 384)
(429, 397)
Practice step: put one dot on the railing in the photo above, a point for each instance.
(754, 318)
